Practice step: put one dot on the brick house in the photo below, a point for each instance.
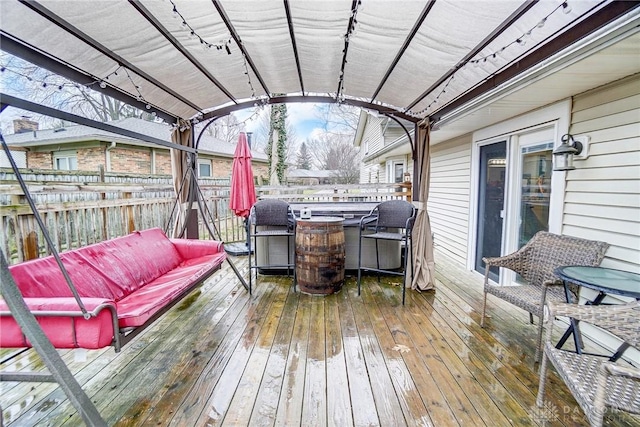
(83, 148)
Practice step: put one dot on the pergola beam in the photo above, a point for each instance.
(405, 45)
(75, 32)
(322, 99)
(29, 53)
(8, 100)
(292, 34)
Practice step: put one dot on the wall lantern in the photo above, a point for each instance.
(563, 155)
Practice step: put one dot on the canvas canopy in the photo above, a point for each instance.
(196, 59)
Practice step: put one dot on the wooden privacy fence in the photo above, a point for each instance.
(80, 208)
(337, 193)
(83, 210)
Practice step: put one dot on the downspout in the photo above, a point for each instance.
(108, 155)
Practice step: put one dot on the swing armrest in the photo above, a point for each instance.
(63, 322)
(193, 248)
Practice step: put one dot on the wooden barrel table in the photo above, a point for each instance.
(320, 255)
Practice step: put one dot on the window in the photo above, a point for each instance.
(398, 172)
(395, 171)
(65, 160)
(204, 168)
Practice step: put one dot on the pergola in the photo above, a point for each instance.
(189, 61)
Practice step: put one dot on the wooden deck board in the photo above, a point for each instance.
(266, 400)
(280, 357)
(387, 402)
(360, 389)
(421, 398)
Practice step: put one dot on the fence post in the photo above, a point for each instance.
(130, 217)
(31, 246)
(103, 196)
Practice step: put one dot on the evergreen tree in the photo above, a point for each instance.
(304, 157)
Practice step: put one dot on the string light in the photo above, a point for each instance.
(520, 41)
(246, 73)
(221, 45)
(101, 82)
(44, 83)
(353, 22)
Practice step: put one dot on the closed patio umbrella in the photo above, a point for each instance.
(243, 191)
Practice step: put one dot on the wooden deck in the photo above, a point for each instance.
(226, 358)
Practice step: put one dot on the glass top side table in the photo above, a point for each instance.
(606, 281)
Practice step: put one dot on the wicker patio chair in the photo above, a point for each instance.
(535, 263)
(596, 383)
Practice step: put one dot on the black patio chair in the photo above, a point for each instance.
(390, 220)
(271, 219)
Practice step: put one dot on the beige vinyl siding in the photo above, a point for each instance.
(370, 174)
(393, 133)
(602, 198)
(372, 139)
(448, 203)
(373, 133)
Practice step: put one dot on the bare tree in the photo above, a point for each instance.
(336, 153)
(226, 128)
(339, 119)
(37, 84)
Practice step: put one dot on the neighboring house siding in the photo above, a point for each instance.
(260, 170)
(448, 203)
(602, 199)
(222, 168)
(163, 162)
(372, 141)
(130, 160)
(393, 133)
(19, 157)
(37, 160)
(90, 159)
(373, 134)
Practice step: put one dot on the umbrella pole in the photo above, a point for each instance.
(246, 229)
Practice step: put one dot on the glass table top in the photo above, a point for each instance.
(607, 280)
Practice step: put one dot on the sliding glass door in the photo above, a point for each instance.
(491, 192)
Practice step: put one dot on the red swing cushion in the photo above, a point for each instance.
(136, 275)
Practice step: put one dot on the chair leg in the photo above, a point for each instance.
(377, 261)
(295, 273)
(411, 257)
(404, 271)
(251, 275)
(484, 310)
(542, 383)
(539, 342)
(359, 259)
(288, 256)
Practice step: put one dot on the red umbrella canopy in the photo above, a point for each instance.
(243, 191)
